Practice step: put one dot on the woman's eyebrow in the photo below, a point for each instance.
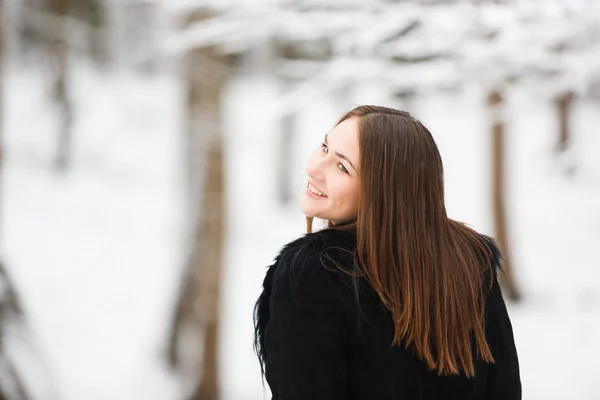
(340, 155)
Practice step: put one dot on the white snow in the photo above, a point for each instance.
(96, 252)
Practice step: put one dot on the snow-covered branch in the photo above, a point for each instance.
(487, 41)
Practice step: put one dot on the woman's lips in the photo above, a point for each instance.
(313, 194)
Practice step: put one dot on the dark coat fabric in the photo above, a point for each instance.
(326, 335)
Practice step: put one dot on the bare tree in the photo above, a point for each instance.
(58, 56)
(93, 14)
(198, 304)
(495, 103)
(563, 103)
(564, 107)
(285, 155)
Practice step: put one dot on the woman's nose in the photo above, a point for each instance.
(315, 169)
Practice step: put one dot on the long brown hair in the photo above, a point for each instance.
(426, 268)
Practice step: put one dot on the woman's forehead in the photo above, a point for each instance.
(343, 140)
(345, 135)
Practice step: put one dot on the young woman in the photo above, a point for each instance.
(392, 300)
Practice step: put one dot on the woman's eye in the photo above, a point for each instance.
(324, 147)
(343, 168)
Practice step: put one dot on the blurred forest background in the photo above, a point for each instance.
(152, 152)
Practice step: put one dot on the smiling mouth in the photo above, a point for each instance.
(315, 191)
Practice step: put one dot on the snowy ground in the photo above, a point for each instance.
(97, 252)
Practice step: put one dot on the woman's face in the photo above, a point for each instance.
(332, 191)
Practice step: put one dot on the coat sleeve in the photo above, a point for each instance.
(305, 334)
(503, 378)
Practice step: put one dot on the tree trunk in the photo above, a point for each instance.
(58, 55)
(93, 13)
(563, 105)
(207, 263)
(286, 192)
(199, 297)
(495, 103)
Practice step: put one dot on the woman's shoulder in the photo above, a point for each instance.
(299, 277)
(316, 242)
(316, 253)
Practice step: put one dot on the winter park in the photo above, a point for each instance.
(153, 154)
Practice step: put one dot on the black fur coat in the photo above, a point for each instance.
(322, 334)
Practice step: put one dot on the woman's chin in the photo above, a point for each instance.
(309, 211)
